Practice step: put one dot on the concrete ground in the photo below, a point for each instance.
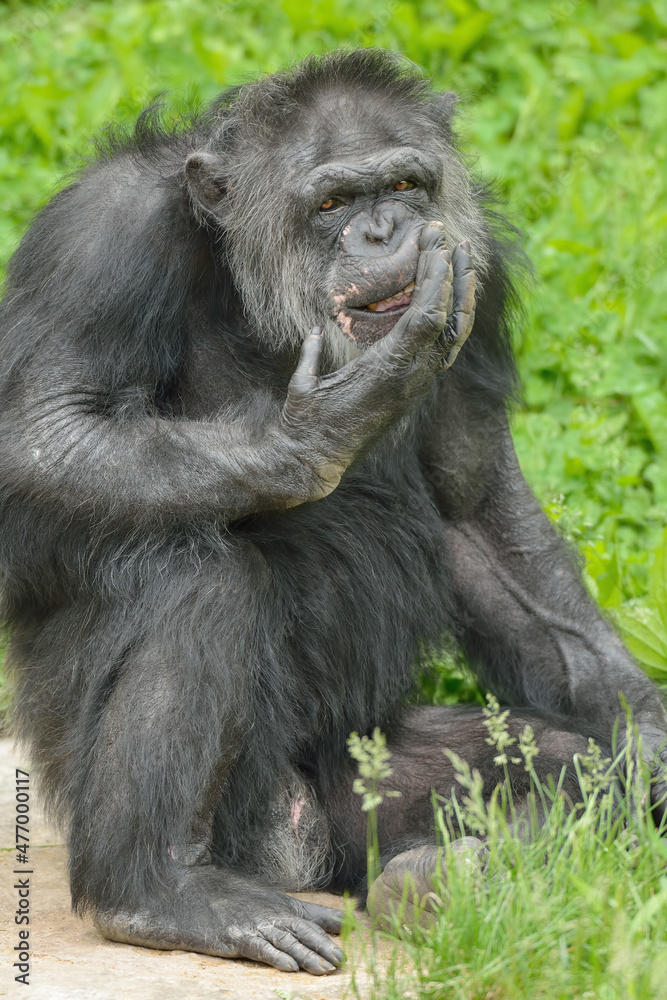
(71, 961)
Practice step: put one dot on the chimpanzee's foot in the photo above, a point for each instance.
(405, 891)
(219, 913)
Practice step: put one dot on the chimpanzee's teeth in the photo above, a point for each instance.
(400, 298)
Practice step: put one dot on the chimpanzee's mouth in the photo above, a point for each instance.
(396, 301)
(368, 322)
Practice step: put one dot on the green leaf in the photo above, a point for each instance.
(658, 579)
(627, 43)
(622, 93)
(571, 246)
(466, 34)
(645, 635)
(652, 410)
(602, 567)
(571, 113)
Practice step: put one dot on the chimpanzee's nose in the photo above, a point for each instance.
(380, 227)
(378, 232)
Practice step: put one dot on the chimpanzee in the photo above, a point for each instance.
(246, 486)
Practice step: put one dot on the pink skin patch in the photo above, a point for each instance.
(296, 809)
(346, 324)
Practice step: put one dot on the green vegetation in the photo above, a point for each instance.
(579, 912)
(564, 105)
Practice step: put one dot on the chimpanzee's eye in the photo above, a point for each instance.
(404, 186)
(331, 204)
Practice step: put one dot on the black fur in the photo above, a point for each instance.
(185, 640)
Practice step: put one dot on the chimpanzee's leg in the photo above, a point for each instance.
(173, 699)
(420, 766)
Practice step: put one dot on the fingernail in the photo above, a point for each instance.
(436, 225)
(339, 955)
(465, 246)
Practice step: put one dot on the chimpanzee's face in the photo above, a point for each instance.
(370, 211)
(321, 211)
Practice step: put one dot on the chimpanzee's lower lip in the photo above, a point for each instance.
(366, 327)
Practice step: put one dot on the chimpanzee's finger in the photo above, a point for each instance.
(427, 315)
(431, 236)
(327, 917)
(257, 948)
(450, 298)
(462, 317)
(307, 956)
(305, 376)
(311, 934)
(464, 291)
(431, 239)
(429, 266)
(309, 358)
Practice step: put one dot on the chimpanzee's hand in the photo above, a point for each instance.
(219, 913)
(289, 935)
(329, 419)
(448, 307)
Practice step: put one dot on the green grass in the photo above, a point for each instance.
(563, 103)
(581, 913)
(575, 910)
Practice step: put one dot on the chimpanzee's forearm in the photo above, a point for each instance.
(145, 470)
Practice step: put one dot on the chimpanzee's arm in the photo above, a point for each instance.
(137, 467)
(66, 448)
(526, 621)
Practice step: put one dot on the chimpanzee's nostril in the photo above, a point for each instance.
(380, 234)
(380, 229)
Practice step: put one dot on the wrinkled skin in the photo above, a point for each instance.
(223, 916)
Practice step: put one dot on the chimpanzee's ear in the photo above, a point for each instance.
(205, 176)
(443, 106)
